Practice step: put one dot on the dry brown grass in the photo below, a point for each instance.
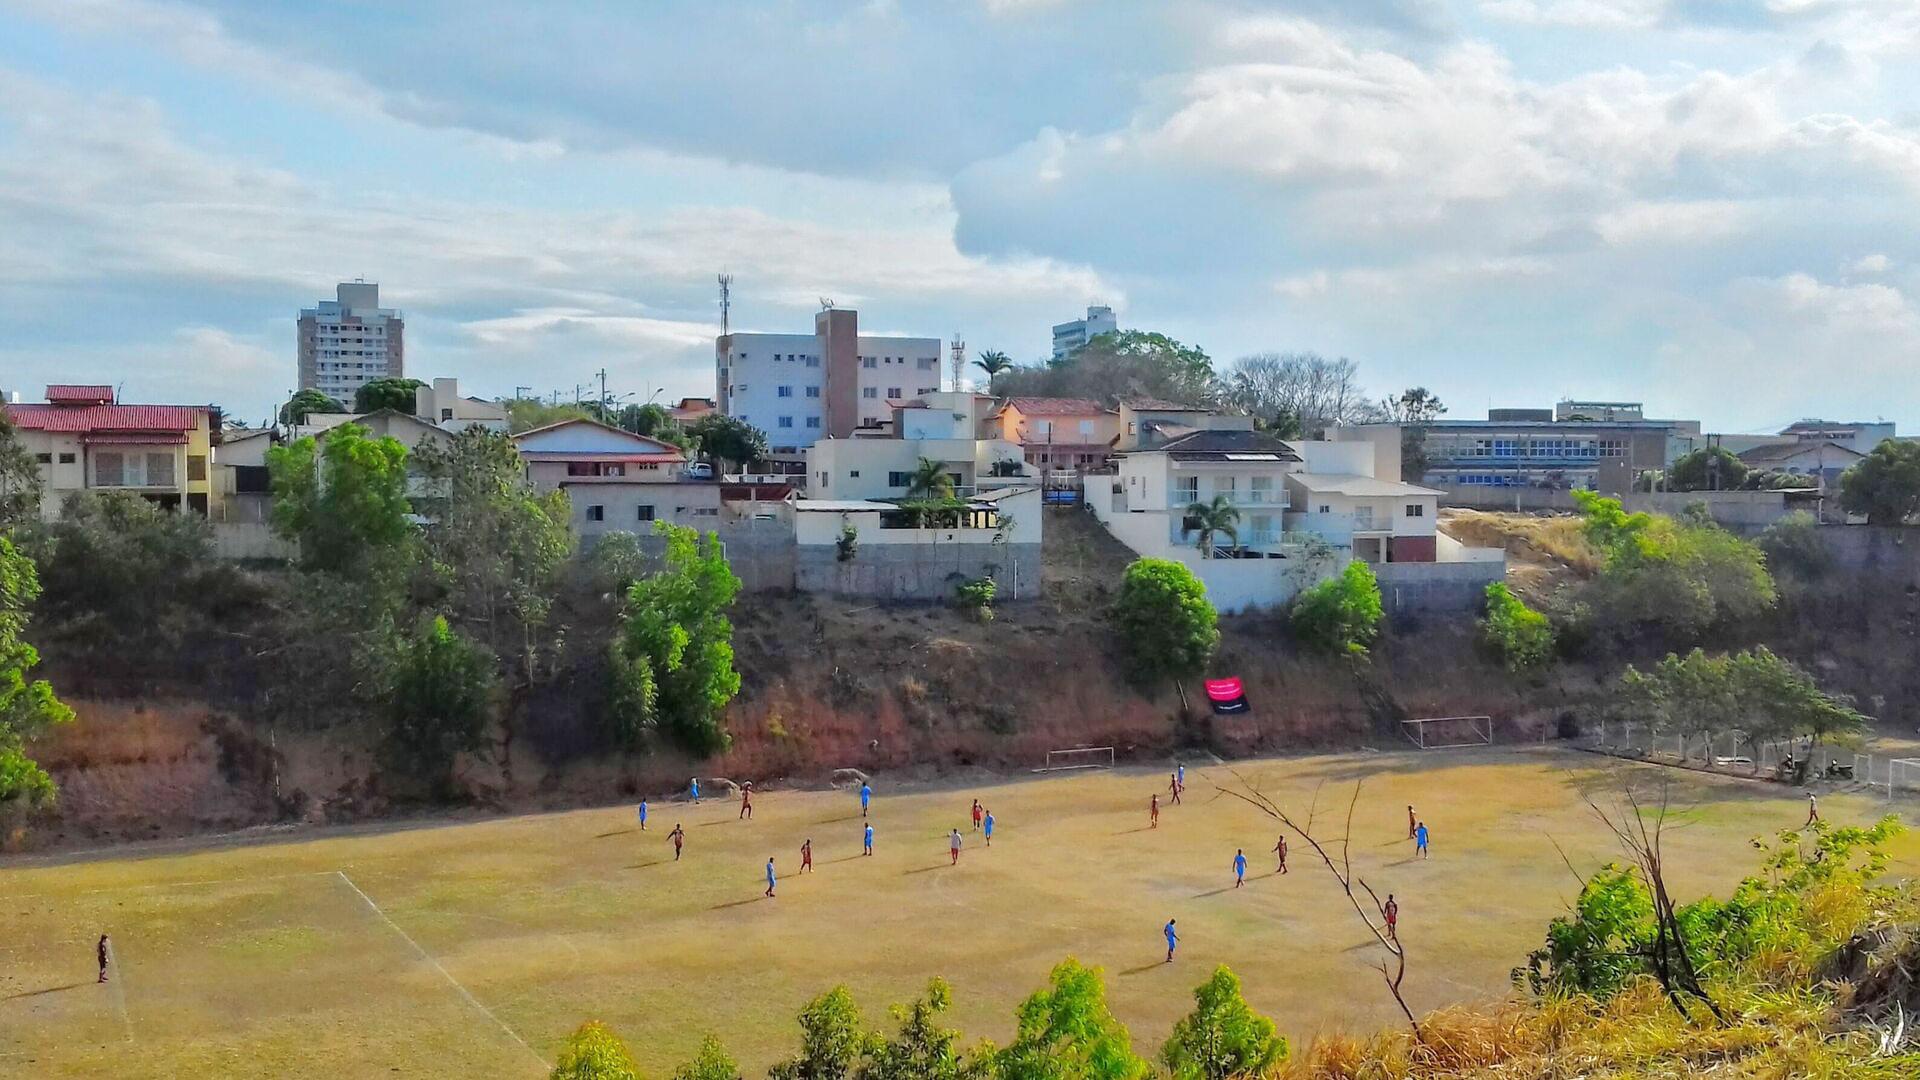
(1554, 540)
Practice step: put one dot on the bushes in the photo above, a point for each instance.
(439, 703)
(1680, 577)
(1167, 627)
(976, 597)
(1793, 544)
(595, 1053)
(1341, 614)
(1519, 635)
(1222, 1037)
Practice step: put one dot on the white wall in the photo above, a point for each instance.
(696, 504)
(754, 378)
(1020, 516)
(1341, 458)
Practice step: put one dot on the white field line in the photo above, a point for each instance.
(451, 981)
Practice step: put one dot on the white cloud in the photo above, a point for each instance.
(1871, 264)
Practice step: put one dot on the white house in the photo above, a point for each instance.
(1149, 493)
(1378, 520)
(584, 449)
(883, 468)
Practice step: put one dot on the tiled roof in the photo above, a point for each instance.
(80, 394)
(1212, 444)
(1056, 406)
(74, 418)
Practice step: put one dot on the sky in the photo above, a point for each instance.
(1711, 206)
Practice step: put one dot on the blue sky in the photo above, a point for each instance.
(1709, 205)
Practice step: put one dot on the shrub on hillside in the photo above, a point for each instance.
(1679, 576)
(1519, 635)
(439, 703)
(1793, 544)
(1166, 625)
(1341, 614)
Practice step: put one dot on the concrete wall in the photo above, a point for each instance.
(1890, 551)
(1436, 586)
(250, 540)
(918, 572)
(1739, 511)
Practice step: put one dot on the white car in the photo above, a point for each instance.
(699, 470)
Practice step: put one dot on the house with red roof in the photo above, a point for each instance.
(617, 481)
(84, 439)
(1058, 433)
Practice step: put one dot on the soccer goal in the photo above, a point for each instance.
(1903, 774)
(1084, 757)
(1448, 732)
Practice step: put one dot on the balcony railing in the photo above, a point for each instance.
(1271, 500)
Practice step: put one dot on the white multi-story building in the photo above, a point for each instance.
(349, 341)
(1068, 336)
(799, 388)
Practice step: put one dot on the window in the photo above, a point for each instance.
(596, 513)
(1187, 488)
(446, 415)
(893, 393)
(854, 473)
(1326, 509)
(785, 421)
(44, 459)
(813, 361)
(644, 513)
(813, 421)
(928, 390)
(1416, 510)
(66, 459)
(783, 391)
(868, 362)
(899, 479)
(196, 467)
(740, 388)
(869, 392)
(928, 363)
(813, 391)
(1260, 488)
(823, 481)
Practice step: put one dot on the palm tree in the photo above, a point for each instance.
(993, 362)
(931, 483)
(1218, 516)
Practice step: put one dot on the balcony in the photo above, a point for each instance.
(1277, 499)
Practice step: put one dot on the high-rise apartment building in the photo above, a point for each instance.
(801, 387)
(349, 341)
(1068, 336)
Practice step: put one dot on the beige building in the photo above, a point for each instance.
(85, 440)
(1145, 421)
(440, 402)
(883, 468)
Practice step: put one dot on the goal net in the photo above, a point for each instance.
(1447, 732)
(1903, 774)
(1084, 757)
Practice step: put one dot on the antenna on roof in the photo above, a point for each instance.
(958, 360)
(826, 303)
(726, 303)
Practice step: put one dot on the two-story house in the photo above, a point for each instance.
(1057, 433)
(616, 481)
(83, 439)
(1149, 495)
(1378, 520)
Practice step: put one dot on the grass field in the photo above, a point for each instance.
(473, 949)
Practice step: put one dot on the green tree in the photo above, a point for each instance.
(1756, 692)
(346, 504)
(442, 684)
(676, 627)
(1415, 409)
(711, 1063)
(1710, 468)
(1884, 485)
(307, 402)
(1219, 517)
(595, 1053)
(1519, 635)
(1119, 364)
(1793, 543)
(20, 488)
(387, 392)
(921, 1049)
(28, 708)
(729, 439)
(525, 414)
(929, 480)
(1341, 614)
(1680, 576)
(1166, 625)
(496, 540)
(1222, 1037)
(831, 1040)
(1066, 1032)
(993, 362)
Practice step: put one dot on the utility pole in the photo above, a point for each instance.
(603, 394)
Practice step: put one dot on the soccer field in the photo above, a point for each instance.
(475, 948)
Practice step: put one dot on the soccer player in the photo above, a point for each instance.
(987, 822)
(679, 837)
(806, 856)
(1420, 840)
(1239, 868)
(869, 841)
(103, 950)
(1173, 785)
(693, 790)
(1813, 809)
(769, 875)
(866, 796)
(1173, 939)
(643, 815)
(1280, 849)
(953, 847)
(1392, 911)
(746, 801)
(976, 815)
(1153, 812)
(1411, 823)
(1180, 774)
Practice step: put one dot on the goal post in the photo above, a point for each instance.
(1448, 732)
(1903, 774)
(1079, 757)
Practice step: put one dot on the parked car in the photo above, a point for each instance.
(699, 470)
